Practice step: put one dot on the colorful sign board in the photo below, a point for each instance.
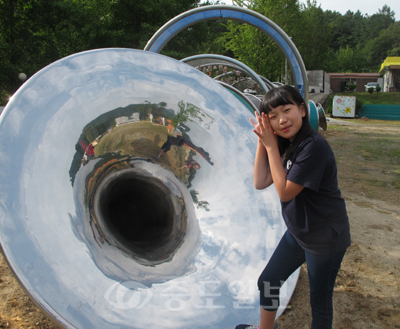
(344, 106)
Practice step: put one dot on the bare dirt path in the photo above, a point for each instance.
(367, 292)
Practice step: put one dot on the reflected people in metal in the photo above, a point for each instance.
(127, 197)
(231, 71)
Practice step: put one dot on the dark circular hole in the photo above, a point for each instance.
(139, 212)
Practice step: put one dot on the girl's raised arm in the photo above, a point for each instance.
(262, 172)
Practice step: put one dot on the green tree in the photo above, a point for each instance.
(35, 33)
(348, 60)
(201, 38)
(253, 47)
(347, 30)
(371, 90)
(386, 44)
(361, 42)
(314, 42)
(378, 22)
(136, 21)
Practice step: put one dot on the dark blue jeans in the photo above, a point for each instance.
(322, 272)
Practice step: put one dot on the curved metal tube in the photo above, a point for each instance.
(313, 115)
(233, 61)
(118, 207)
(191, 17)
(251, 105)
(227, 61)
(322, 122)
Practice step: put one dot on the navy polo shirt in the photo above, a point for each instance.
(317, 216)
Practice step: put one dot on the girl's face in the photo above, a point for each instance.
(286, 120)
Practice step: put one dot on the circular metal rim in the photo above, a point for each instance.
(45, 302)
(191, 17)
(313, 115)
(253, 74)
(239, 93)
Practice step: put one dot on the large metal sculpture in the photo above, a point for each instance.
(126, 192)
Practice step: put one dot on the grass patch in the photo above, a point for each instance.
(375, 182)
(377, 122)
(392, 98)
(369, 152)
(394, 153)
(383, 141)
(396, 182)
(338, 128)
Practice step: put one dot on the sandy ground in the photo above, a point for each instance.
(367, 292)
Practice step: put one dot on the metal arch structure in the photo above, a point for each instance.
(250, 104)
(191, 17)
(233, 61)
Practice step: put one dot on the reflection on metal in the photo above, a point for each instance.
(321, 117)
(126, 197)
(256, 100)
(269, 84)
(253, 80)
(243, 98)
(191, 17)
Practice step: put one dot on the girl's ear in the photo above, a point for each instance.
(303, 110)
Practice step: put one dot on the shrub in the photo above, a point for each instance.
(378, 89)
(328, 103)
(359, 105)
(352, 87)
(371, 90)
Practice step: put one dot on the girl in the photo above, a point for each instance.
(302, 167)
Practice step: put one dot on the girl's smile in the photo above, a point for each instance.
(286, 120)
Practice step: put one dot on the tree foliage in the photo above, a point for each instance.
(327, 40)
(315, 47)
(253, 47)
(35, 33)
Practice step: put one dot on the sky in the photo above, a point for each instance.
(369, 7)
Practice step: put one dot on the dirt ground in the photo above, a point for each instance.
(367, 292)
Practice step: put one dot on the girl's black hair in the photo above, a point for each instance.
(282, 96)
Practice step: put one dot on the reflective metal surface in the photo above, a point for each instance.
(321, 117)
(256, 100)
(313, 115)
(127, 198)
(236, 13)
(244, 99)
(258, 83)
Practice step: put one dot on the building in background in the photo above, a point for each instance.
(340, 81)
(390, 69)
(318, 81)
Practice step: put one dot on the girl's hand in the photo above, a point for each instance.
(264, 130)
